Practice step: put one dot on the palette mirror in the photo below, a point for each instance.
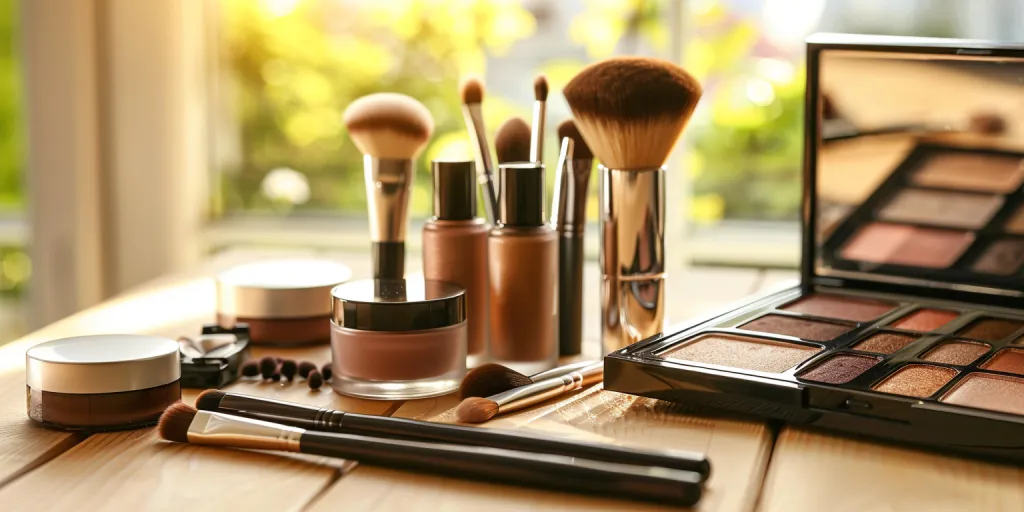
(919, 170)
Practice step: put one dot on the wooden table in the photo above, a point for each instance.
(754, 469)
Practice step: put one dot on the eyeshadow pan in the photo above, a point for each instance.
(1002, 257)
(742, 352)
(885, 342)
(960, 353)
(925, 320)
(987, 391)
(1009, 360)
(1016, 222)
(840, 368)
(940, 208)
(839, 306)
(920, 380)
(814, 330)
(971, 171)
(907, 245)
(990, 329)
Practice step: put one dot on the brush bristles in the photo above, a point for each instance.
(540, 88)
(490, 379)
(175, 422)
(512, 143)
(209, 400)
(476, 410)
(472, 91)
(631, 110)
(580, 149)
(389, 125)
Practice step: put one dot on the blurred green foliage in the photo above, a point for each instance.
(11, 151)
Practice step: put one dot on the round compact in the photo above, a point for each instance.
(105, 382)
(285, 302)
(398, 339)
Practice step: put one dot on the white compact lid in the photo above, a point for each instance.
(106, 363)
(294, 288)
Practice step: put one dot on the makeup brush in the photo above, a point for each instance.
(540, 98)
(492, 378)
(512, 143)
(328, 420)
(183, 424)
(390, 130)
(472, 93)
(631, 111)
(478, 409)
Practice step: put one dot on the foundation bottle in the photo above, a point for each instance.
(455, 247)
(523, 273)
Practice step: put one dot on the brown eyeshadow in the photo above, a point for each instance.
(1002, 258)
(960, 353)
(840, 368)
(926, 320)
(742, 352)
(990, 329)
(1009, 360)
(987, 391)
(841, 307)
(885, 342)
(919, 380)
(799, 327)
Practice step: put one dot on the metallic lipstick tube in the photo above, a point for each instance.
(632, 255)
(388, 184)
(569, 215)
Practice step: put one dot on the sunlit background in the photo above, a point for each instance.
(284, 70)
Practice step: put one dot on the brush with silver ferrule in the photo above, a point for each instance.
(340, 422)
(480, 409)
(472, 93)
(631, 111)
(390, 130)
(540, 98)
(183, 424)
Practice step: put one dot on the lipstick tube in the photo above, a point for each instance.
(388, 184)
(569, 215)
(632, 255)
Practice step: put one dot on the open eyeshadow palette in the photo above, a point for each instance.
(908, 322)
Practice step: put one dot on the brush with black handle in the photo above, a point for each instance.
(328, 420)
(184, 424)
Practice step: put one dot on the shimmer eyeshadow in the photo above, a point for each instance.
(885, 342)
(742, 352)
(920, 380)
(960, 353)
(987, 391)
(1009, 360)
(799, 327)
(839, 306)
(898, 244)
(939, 208)
(926, 320)
(1002, 257)
(840, 368)
(990, 329)
(971, 171)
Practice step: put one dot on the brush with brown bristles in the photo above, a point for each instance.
(631, 111)
(390, 130)
(183, 424)
(472, 93)
(480, 409)
(540, 98)
(512, 142)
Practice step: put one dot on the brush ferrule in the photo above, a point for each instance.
(543, 390)
(218, 429)
(268, 409)
(569, 212)
(537, 132)
(388, 185)
(632, 254)
(482, 154)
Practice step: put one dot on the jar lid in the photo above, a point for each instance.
(294, 288)
(412, 304)
(107, 363)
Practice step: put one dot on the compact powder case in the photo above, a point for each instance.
(908, 322)
(105, 382)
(284, 302)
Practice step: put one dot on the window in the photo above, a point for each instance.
(14, 262)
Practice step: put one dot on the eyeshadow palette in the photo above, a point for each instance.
(908, 321)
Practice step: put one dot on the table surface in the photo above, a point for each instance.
(755, 467)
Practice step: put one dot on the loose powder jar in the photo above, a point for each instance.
(285, 302)
(398, 339)
(105, 382)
